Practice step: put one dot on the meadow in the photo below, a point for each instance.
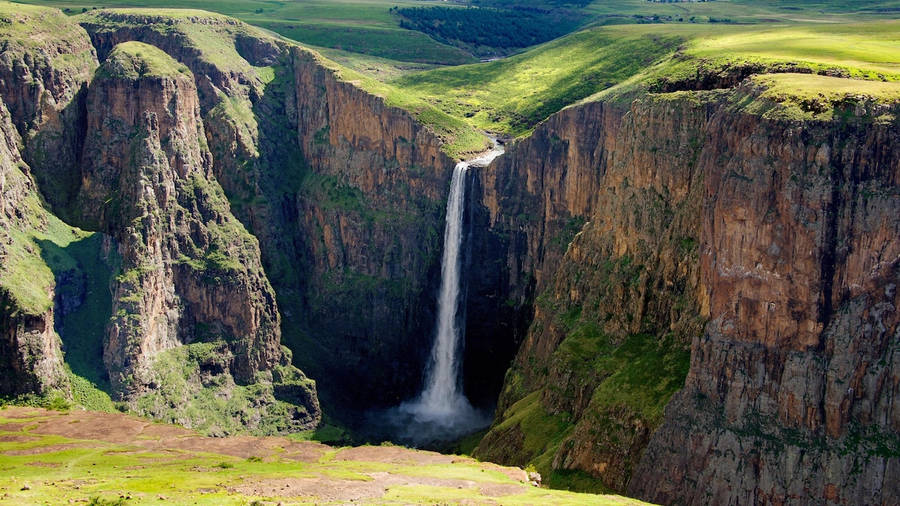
(364, 26)
(511, 96)
(369, 27)
(114, 459)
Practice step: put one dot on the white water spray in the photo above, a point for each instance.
(442, 411)
(442, 395)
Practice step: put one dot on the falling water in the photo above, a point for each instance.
(442, 411)
(442, 395)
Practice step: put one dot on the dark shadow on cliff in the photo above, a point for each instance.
(83, 304)
(324, 315)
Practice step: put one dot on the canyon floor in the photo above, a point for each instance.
(53, 457)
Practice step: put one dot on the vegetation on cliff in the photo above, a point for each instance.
(136, 60)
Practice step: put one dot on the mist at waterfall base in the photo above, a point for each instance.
(442, 412)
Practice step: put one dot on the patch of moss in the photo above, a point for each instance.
(135, 60)
(195, 388)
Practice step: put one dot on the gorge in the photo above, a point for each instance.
(442, 411)
(682, 287)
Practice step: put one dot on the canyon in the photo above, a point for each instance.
(677, 294)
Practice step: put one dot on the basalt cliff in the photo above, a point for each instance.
(682, 295)
(748, 264)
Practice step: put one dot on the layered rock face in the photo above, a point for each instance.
(30, 355)
(791, 394)
(371, 212)
(616, 305)
(195, 320)
(344, 192)
(781, 235)
(180, 247)
(45, 65)
(190, 272)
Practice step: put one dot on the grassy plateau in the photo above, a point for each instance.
(103, 458)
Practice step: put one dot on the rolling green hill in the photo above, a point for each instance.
(511, 96)
(370, 27)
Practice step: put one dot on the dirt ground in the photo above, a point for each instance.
(341, 475)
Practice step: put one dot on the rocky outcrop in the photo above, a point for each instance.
(782, 235)
(45, 63)
(792, 388)
(30, 354)
(190, 272)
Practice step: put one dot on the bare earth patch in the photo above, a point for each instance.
(247, 446)
(325, 488)
(124, 429)
(37, 450)
(12, 427)
(393, 455)
(16, 438)
(502, 489)
(24, 412)
(135, 449)
(44, 464)
(322, 488)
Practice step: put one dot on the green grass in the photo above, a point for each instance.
(366, 26)
(83, 330)
(34, 252)
(805, 96)
(194, 391)
(460, 137)
(215, 41)
(135, 60)
(537, 433)
(872, 49)
(59, 469)
(511, 96)
(742, 11)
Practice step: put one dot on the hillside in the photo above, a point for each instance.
(60, 457)
(374, 27)
(512, 95)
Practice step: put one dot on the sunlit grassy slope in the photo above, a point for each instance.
(618, 62)
(868, 47)
(56, 458)
(365, 26)
(510, 96)
(368, 26)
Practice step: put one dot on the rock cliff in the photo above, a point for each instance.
(45, 64)
(30, 354)
(605, 223)
(190, 273)
(766, 247)
(370, 210)
(791, 394)
(344, 192)
(194, 318)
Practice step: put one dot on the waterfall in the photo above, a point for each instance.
(441, 411)
(442, 395)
